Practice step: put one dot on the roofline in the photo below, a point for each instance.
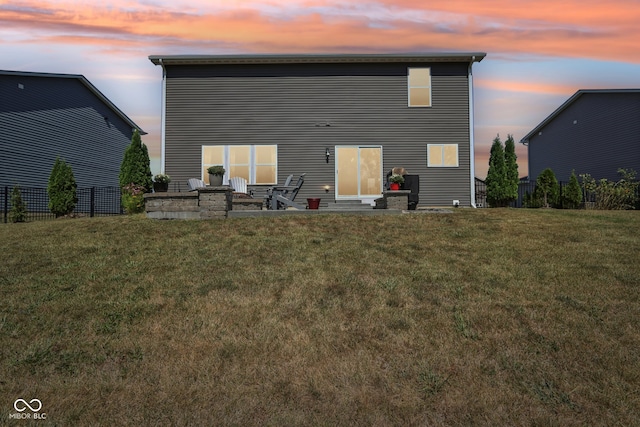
(566, 104)
(87, 84)
(316, 58)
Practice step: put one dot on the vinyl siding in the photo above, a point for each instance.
(52, 117)
(362, 105)
(605, 137)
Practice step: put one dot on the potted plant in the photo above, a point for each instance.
(215, 175)
(395, 180)
(161, 183)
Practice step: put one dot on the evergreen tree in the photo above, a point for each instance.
(547, 188)
(511, 167)
(18, 206)
(496, 176)
(572, 192)
(62, 189)
(135, 167)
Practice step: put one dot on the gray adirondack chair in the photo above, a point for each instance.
(281, 197)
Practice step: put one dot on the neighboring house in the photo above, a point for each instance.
(344, 120)
(595, 132)
(46, 115)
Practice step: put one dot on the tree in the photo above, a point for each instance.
(572, 196)
(496, 176)
(135, 167)
(62, 189)
(511, 169)
(547, 188)
(18, 206)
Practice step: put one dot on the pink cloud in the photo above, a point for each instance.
(570, 29)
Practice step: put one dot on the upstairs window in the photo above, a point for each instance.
(419, 80)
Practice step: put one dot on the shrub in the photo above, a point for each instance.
(605, 194)
(496, 176)
(18, 211)
(512, 180)
(547, 188)
(572, 194)
(135, 167)
(216, 170)
(133, 198)
(62, 189)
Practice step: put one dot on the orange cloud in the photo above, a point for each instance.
(571, 28)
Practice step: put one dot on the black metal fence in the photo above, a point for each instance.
(94, 201)
(525, 189)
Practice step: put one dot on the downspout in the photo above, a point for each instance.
(163, 117)
(471, 141)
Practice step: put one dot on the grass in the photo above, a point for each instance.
(480, 317)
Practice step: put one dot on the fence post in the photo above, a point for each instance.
(6, 203)
(92, 209)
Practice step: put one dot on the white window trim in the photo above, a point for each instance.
(409, 87)
(252, 162)
(441, 162)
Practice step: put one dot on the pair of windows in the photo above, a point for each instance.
(258, 164)
(442, 155)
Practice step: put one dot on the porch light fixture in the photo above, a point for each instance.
(326, 188)
(327, 154)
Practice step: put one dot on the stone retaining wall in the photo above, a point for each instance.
(203, 203)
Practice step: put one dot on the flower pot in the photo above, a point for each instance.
(215, 180)
(160, 187)
(394, 186)
(313, 203)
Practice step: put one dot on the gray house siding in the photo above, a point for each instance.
(305, 109)
(597, 133)
(44, 116)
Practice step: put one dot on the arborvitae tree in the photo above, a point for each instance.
(62, 189)
(496, 176)
(18, 206)
(572, 192)
(511, 168)
(135, 167)
(547, 188)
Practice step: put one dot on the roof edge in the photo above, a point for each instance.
(87, 84)
(316, 58)
(525, 140)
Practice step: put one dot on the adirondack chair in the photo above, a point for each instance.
(269, 193)
(284, 196)
(195, 183)
(239, 186)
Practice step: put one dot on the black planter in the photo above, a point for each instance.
(160, 187)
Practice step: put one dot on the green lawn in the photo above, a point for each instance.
(479, 317)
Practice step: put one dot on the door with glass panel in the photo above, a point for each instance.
(358, 172)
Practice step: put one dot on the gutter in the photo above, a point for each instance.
(163, 117)
(472, 169)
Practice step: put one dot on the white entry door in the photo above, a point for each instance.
(358, 172)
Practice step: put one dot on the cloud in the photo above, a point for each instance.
(570, 28)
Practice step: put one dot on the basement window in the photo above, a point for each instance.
(419, 81)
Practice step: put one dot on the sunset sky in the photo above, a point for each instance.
(538, 52)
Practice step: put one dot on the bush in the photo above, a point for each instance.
(62, 189)
(133, 198)
(605, 194)
(135, 167)
(547, 188)
(572, 194)
(18, 211)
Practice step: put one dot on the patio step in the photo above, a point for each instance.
(348, 205)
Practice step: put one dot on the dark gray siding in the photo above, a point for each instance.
(364, 105)
(605, 137)
(52, 116)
